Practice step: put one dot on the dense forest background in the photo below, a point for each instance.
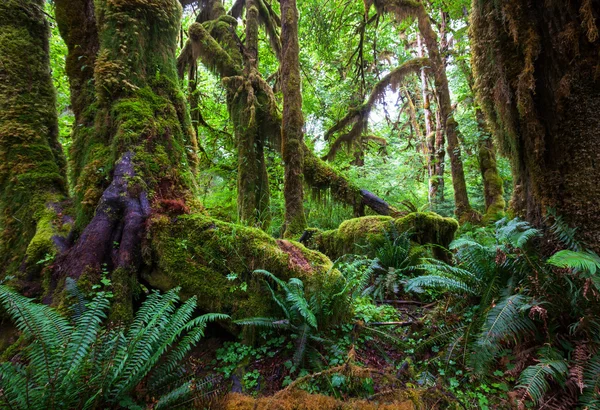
(299, 205)
(342, 58)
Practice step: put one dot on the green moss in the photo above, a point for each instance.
(139, 108)
(198, 253)
(322, 178)
(32, 167)
(361, 235)
(123, 282)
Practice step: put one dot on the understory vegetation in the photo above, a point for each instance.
(499, 326)
(299, 205)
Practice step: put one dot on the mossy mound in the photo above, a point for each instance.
(215, 260)
(362, 235)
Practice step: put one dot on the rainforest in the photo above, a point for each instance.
(300, 204)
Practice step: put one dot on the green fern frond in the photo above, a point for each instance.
(301, 343)
(84, 336)
(175, 396)
(267, 322)
(534, 379)
(440, 283)
(582, 261)
(442, 336)
(564, 232)
(505, 320)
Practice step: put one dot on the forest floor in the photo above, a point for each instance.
(370, 368)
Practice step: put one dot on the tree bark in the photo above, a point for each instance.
(536, 67)
(292, 134)
(32, 166)
(77, 25)
(429, 134)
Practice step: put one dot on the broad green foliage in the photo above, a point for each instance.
(519, 299)
(82, 363)
(309, 312)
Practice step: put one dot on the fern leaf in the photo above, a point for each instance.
(534, 379)
(438, 282)
(583, 261)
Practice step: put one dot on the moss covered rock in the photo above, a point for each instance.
(361, 235)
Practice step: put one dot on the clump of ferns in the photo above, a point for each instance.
(81, 362)
(396, 257)
(494, 275)
(309, 313)
(523, 299)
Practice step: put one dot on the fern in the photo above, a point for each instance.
(83, 364)
(505, 320)
(591, 391)
(306, 313)
(564, 232)
(440, 283)
(534, 379)
(582, 261)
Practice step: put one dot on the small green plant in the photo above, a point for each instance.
(396, 260)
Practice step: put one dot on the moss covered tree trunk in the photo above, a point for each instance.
(493, 187)
(32, 166)
(536, 66)
(429, 134)
(253, 181)
(140, 153)
(293, 121)
(77, 25)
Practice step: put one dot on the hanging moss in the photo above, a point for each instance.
(32, 167)
(536, 70)
(362, 235)
(198, 253)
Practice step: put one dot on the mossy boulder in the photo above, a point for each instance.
(362, 235)
(214, 260)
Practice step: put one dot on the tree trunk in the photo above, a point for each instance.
(77, 25)
(429, 134)
(253, 181)
(493, 187)
(292, 122)
(438, 185)
(401, 9)
(32, 167)
(536, 66)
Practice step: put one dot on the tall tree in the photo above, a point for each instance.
(401, 9)
(32, 166)
(140, 219)
(430, 141)
(537, 77)
(293, 121)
